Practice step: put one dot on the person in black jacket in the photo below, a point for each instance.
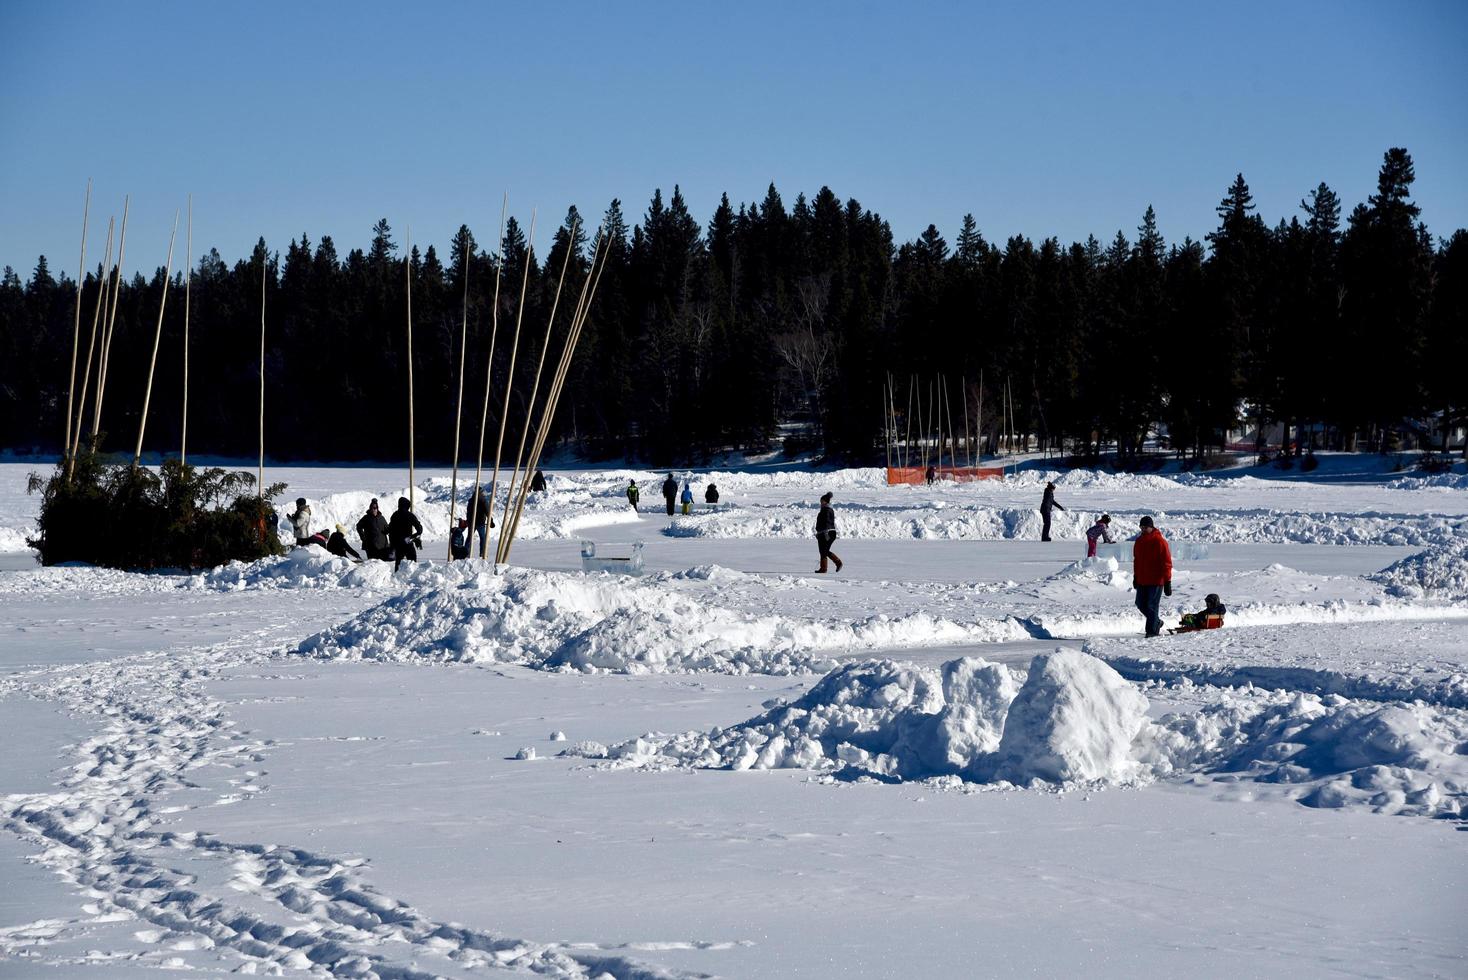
(670, 492)
(337, 545)
(1047, 503)
(481, 518)
(405, 532)
(826, 533)
(372, 531)
(537, 482)
(711, 495)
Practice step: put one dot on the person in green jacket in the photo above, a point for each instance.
(633, 494)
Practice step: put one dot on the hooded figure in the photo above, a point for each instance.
(537, 482)
(301, 522)
(711, 495)
(459, 540)
(826, 533)
(1211, 616)
(405, 532)
(372, 531)
(1047, 503)
(687, 498)
(670, 492)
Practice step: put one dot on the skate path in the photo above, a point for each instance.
(106, 831)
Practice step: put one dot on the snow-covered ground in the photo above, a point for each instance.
(957, 757)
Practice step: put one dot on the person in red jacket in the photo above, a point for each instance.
(1151, 573)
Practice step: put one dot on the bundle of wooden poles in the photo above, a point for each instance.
(936, 435)
(533, 434)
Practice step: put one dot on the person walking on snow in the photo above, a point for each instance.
(931, 475)
(711, 495)
(633, 494)
(405, 532)
(301, 521)
(670, 492)
(372, 530)
(537, 482)
(1151, 573)
(826, 533)
(1098, 532)
(1047, 503)
(687, 498)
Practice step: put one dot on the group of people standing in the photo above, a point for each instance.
(672, 497)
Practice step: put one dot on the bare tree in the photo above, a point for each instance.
(808, 348)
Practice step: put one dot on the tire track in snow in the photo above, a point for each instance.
(283, 909)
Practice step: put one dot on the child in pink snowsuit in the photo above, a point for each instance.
(1098, 532)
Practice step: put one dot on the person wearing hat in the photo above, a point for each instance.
(405, 532)
(633, 494)
(670, 493)
(372, 532)
(1047, 503)
(301, 521)
(1151, 573)
(1098, 532)
(826, 533)
(337, 545)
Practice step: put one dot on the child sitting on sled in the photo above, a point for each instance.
(1210, 618)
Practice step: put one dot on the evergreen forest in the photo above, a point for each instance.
(777, 324)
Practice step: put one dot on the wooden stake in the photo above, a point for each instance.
(488, 381)
(540, 365)
(554, 395)
(260, 474)
(183, 439)
(408, 273)
(157, 336)
(968, 447)
(76, 326)
(111, 325)
(459, 410)
(559, 381)
(886, 425)
(81, 407)
(510, 377)
(907, 444)
(979, 418)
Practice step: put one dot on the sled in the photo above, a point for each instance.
(1212, 621)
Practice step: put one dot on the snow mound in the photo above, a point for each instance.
(1073, 720)
(13, 539)
(1323, 752)
(316, 568)
(934, 522)
(589, 623)
(1440, 572)
(1103, 571)
(1440, 481)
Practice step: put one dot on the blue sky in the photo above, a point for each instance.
(1041, 119)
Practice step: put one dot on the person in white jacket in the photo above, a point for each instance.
(301, 521)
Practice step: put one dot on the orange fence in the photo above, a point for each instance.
(917, 476)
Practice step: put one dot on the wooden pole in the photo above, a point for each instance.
(260, 475)
(968, 446)
(76, 326)
(886, 425)
(183, 439)
(459, 410)
(81, 407)
(979, 418)
(111, 324)
(157, 336)
(948, 413)
(907, 443)
(408, 274)
(535, 386)
(510, 377)
(588, 293)
(489, 378)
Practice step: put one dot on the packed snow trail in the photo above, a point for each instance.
(108, 830)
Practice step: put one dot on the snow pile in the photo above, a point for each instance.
(1100, 571)
(1439, 572)
(1323, 752)
(1440, 481)
(1072, 721)
(933, 522)
(1282, 527)
(554, 620)
(315, 568)
(13, 539)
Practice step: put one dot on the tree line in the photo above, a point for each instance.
(773, 321)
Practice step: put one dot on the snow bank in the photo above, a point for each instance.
(932, 522)
(591, 623)
(1099, 571)
(1073, 720)
(315, 568)
(1440, 571)
(1324, 752)
(13, 539)
(1440, 481)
